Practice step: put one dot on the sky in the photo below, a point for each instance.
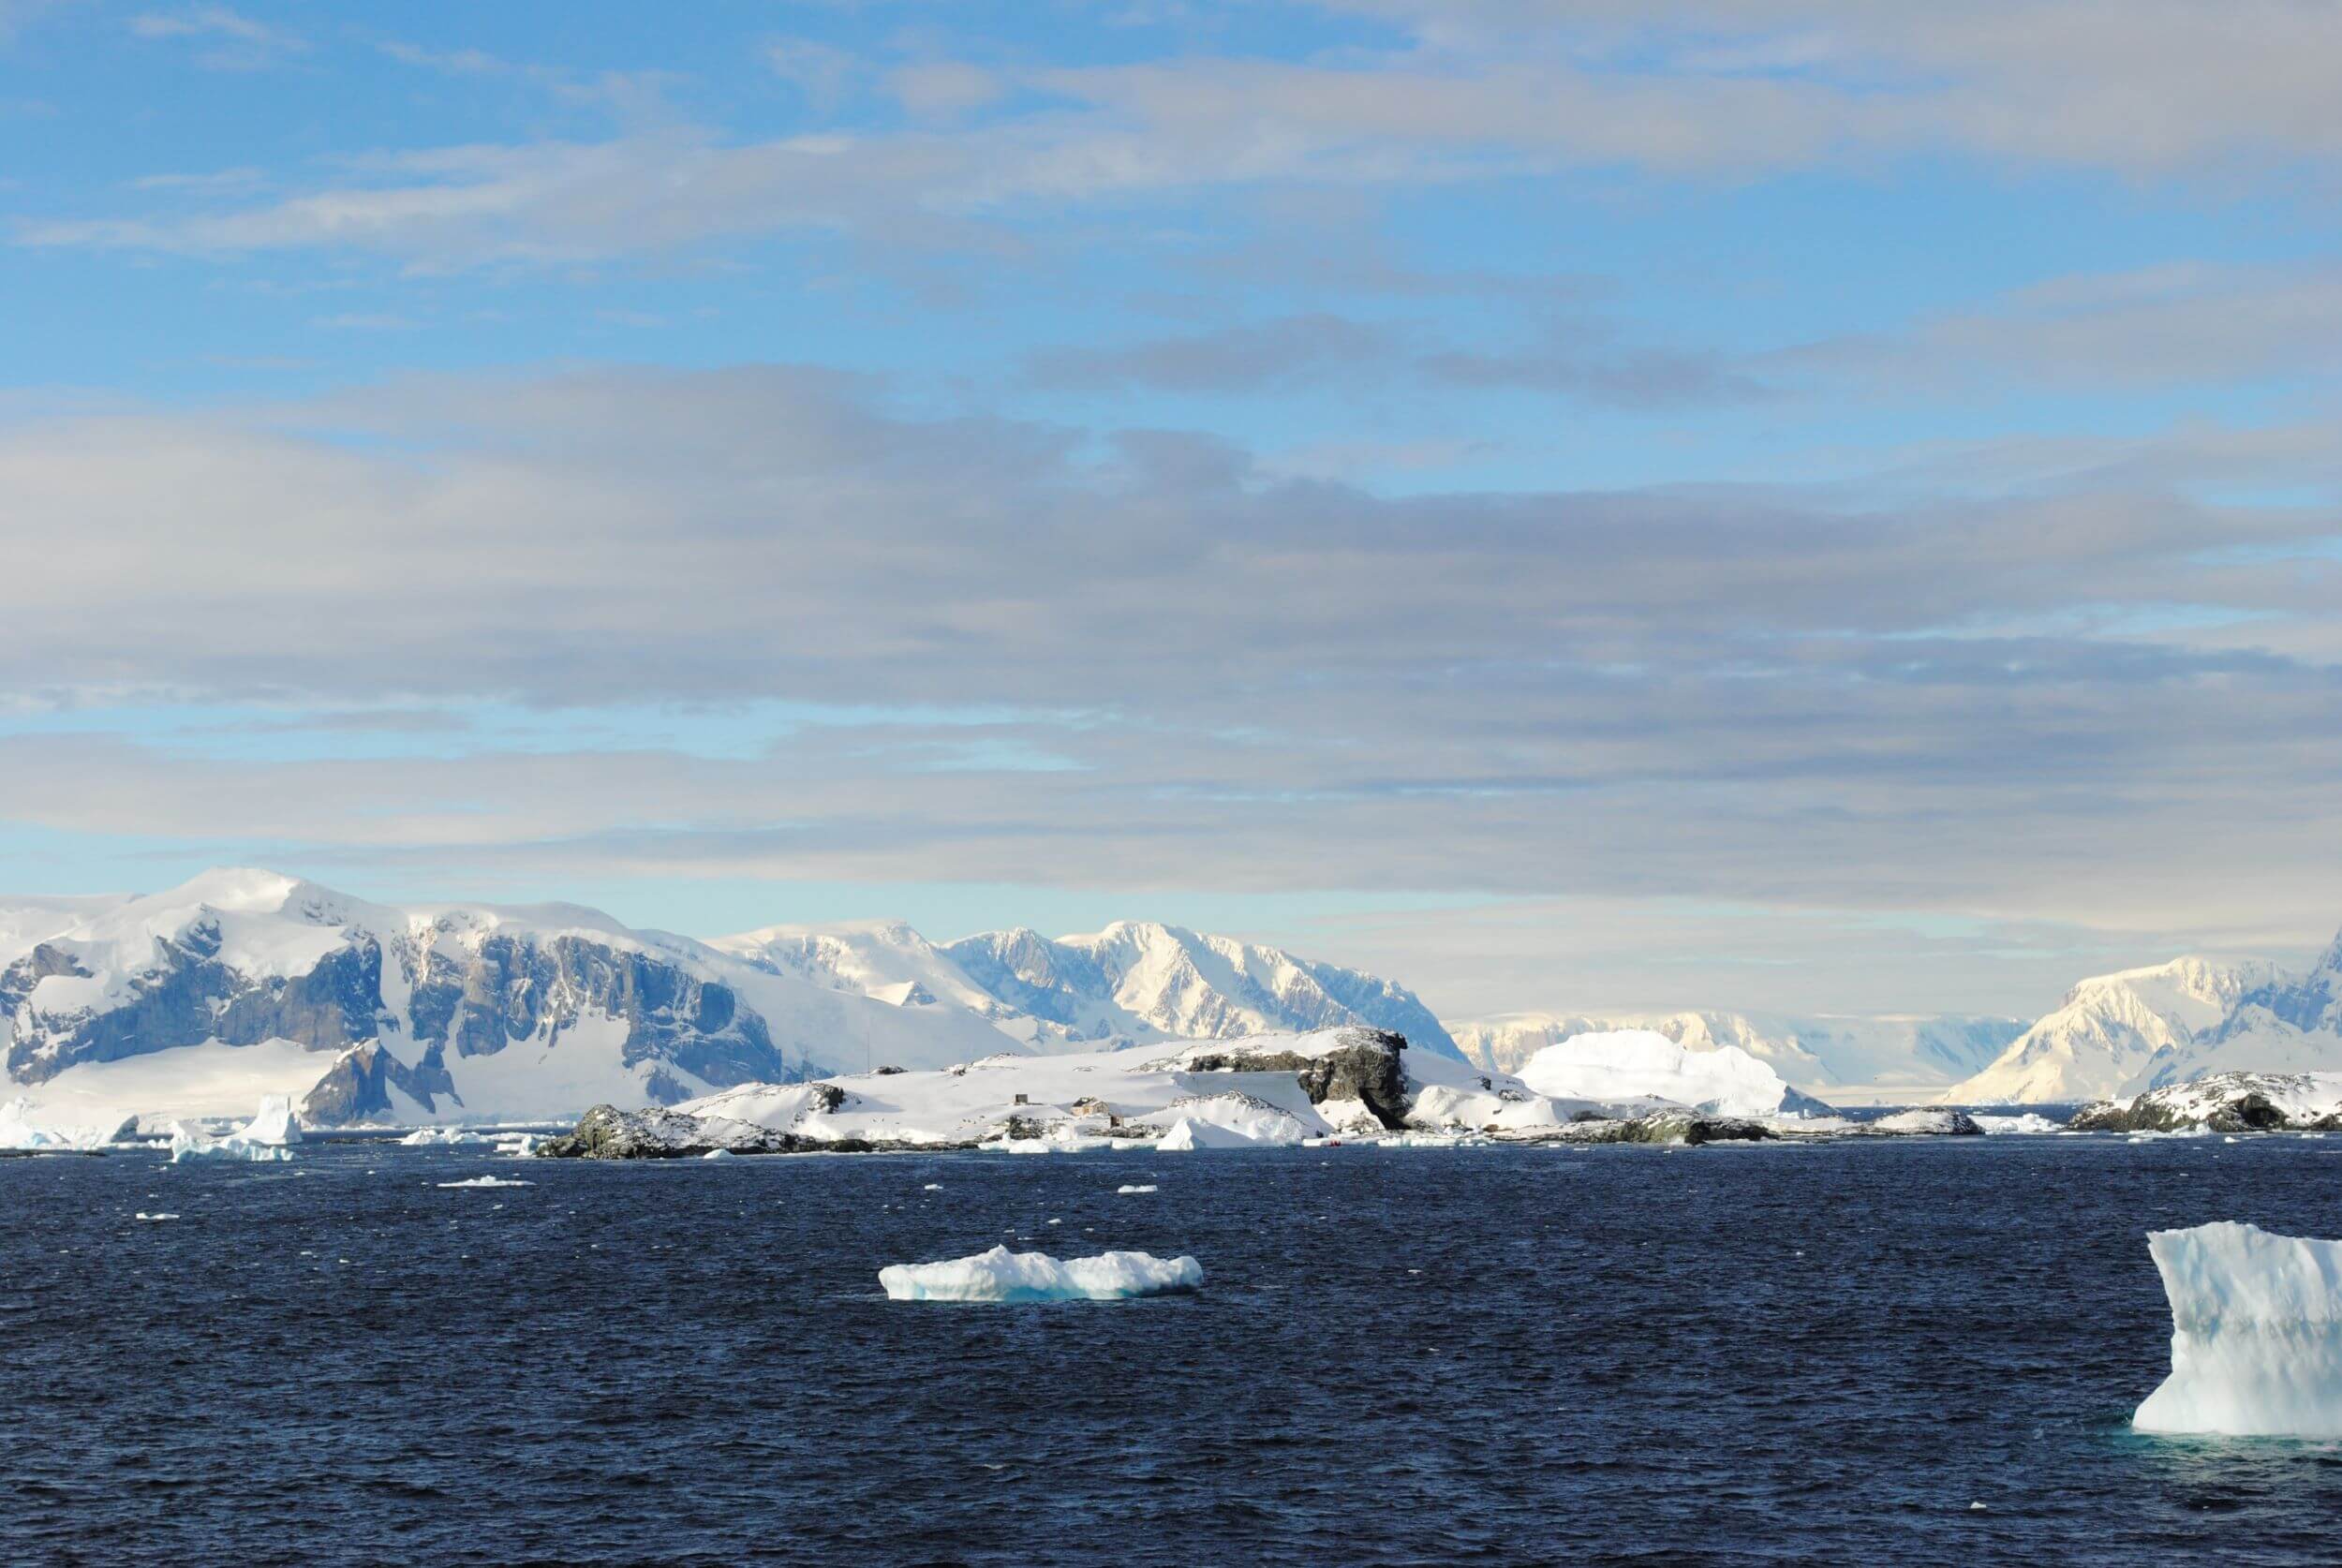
(1819, 506)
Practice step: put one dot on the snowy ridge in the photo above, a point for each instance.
(242, 984)
(1135, 983)
(2112, 1030)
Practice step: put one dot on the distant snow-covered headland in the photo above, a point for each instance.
(199, 1001)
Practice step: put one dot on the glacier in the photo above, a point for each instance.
(1000, 1274)
(2256, 1334)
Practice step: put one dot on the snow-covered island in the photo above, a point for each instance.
(2225, 1103)
(1343, 1084)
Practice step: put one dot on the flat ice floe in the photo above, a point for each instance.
(2256, 1334)
(1000, 1274)
(487, 1181)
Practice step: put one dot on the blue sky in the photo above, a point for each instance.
(1578, 504)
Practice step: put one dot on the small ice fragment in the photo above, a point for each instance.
(1146, 1187)
(487, 1181)
(932, 1186)
(718, 1154)
(1000, 1274)
(144, 1215)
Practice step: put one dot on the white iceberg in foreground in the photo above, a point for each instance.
(2256, 1334)
(1002, 1275)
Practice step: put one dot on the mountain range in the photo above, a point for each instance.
(2139, 1029)
(244, 983)
(198, 1000)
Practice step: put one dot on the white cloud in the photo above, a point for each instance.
(2091, 706)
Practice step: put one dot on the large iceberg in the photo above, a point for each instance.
(2256, 1334)
(18, 1130)
(1000, 1274)
(268, 1136)
(1628, 1065)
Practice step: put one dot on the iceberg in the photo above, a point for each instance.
(442, 1137)
(2256, 1334)
(1000, 1274)
(486, 1181)
(267, 1137)
(1628, 1065)
(1188, 1133)
(2030, 1123)
(20, 1131)
(274, 1125)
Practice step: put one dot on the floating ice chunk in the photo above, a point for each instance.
(932, 1186)
(1188, 1133)
(519, 1146)
(274, 1125)
(487, 1181)
(187, 1143)
(1000, 1274)
(152, 1218)
(2029, 1122)
(19, 1131)
(2256, 1334)
(719, 1154)
(443, 1137)
(1146, 1188)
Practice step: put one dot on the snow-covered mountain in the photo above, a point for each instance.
(1846, 1059)
(241, 983)
(244, 983)
(2115, 1031)
(1135, 983)
(2276, 1023)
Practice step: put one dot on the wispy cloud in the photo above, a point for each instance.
(233, 41)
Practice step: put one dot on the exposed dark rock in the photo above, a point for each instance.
(357, 1088)
(1367, 1065)
(2223, 1102)
(1665, 1126)
(606, 1133)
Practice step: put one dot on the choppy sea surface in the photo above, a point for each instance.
(1725, 1354)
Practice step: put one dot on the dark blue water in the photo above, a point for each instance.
(1634, 1355)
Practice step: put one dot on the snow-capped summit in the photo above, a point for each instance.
(244, 983)
(240, 984)
(2276, 1023)
(2114, 1030)
(1139, 981)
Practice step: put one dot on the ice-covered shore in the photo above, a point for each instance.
(2256, 1334)
(1345, 1084)
(2225, 1103)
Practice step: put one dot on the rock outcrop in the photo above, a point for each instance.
(1366, 1066)
(2225, 1103)
(606, 1133)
